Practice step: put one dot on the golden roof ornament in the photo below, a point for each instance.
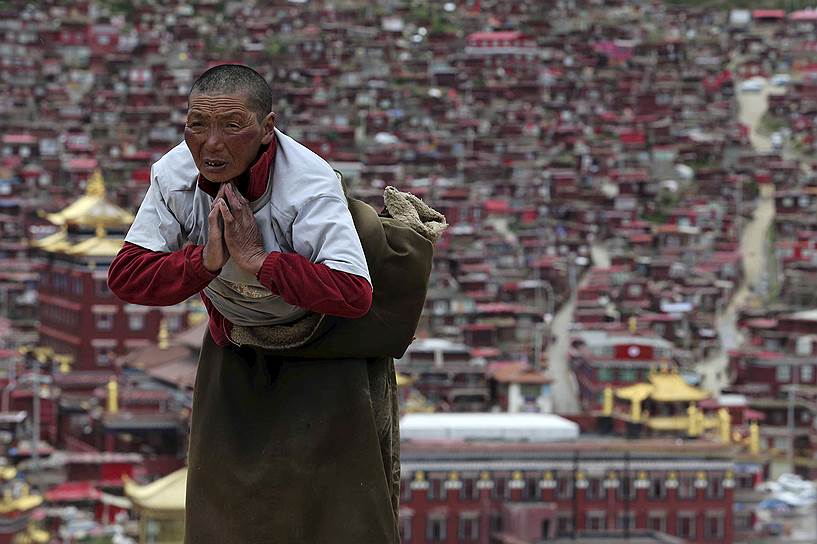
(164, 335)
(95, 185)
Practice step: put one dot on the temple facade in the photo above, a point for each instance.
(456, 492)
(79, 316)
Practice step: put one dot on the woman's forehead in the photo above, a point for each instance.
(218, 104)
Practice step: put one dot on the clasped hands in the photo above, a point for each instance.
(232, 232)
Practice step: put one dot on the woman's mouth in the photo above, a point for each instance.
(214, 164)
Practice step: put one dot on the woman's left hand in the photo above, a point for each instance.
(240, 231)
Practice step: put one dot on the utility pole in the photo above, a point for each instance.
(795, 377)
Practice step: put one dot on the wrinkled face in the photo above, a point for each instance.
(224, 135)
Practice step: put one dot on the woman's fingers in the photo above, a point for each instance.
(225, 212)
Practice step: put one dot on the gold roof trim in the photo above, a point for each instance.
(164, 495)
(662, 387)
(53, 242)
(93, 209)
(96, 246)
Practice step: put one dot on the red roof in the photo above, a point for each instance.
(479, 327)
(495, 36)
(768, 14)
(19, 139)
(82, 164)
(804, 15)
(496, 206)
(73, 492)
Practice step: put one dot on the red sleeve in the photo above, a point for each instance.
(152, 278)
(315, 286)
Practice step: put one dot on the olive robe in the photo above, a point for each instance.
(294, 435)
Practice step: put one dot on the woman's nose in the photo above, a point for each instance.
(214, 139)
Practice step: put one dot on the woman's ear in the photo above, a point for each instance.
(269, 128)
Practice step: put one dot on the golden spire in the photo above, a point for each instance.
(607, 409)
(164, 334)
(113, 396)
(95, 185)
(725, 421)
(754, 438)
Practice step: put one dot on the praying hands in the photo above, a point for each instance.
(239, 233)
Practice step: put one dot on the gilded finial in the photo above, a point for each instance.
(485, 475)
(453, 475)
(113, 396)
(754, 438)
(419, 476)
(517, 475)
(607, 409)
(96, 185)
(164, 335)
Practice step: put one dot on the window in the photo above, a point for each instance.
(564, 487)
(468, 528)
(103, 356)
(714, 487)
(745, 480)
(634, 290)
(435, 489)
(686, 487)
(783, 373)
(101, 288)
(435, 528)
(686, 525)
(104, 321)
(657, 488)
(77, 286)
(501, 489)
(657, 521)
(625, 520)
(174, 323)
(594, 489)
(806, 373)
(136, 322)
(628, 375)
(405, 491)
(469, 490)
(605, 374)
(626, 487)
(564, 524)
(596, 521)
(530, 390)
(531, 490)
(713, 527)
(743, 521)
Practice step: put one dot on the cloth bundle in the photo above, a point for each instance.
(398, 245)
